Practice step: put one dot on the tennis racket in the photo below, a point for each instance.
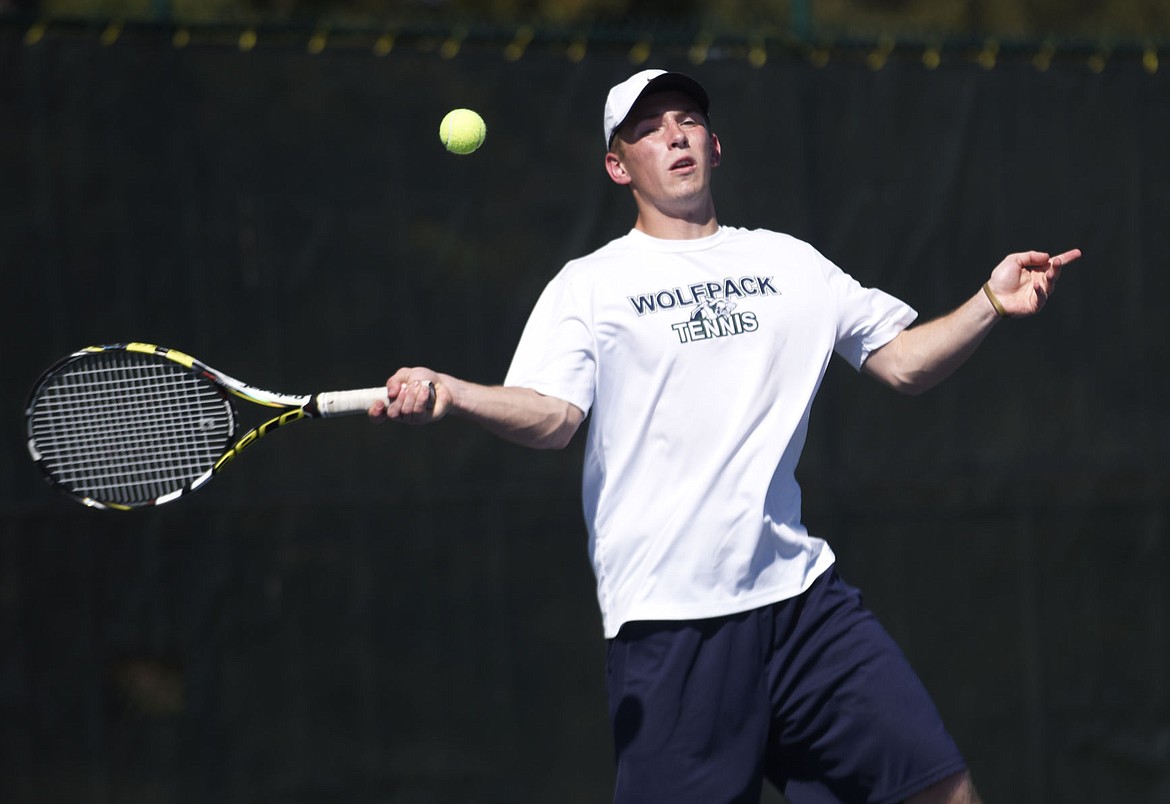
(132, 425)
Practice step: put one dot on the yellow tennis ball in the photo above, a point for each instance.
(462, 131)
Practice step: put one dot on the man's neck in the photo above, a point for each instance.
(669, 227)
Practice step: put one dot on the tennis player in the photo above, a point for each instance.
(735, 652)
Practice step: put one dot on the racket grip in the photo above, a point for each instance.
(340, 403)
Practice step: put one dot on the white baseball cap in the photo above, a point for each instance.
(623, 96)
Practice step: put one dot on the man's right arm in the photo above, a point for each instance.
(520, 415)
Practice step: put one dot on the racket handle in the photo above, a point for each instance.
(340, 403)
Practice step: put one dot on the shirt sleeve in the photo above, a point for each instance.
(557, 355)
(867, 318)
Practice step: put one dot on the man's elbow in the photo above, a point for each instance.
(556, 440)
(558, 430)
(911, 388)
(912, 383)
(891, 374)
(565, 428)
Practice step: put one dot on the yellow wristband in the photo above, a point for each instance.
(999, 311)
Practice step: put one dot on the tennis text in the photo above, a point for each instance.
(700, 329)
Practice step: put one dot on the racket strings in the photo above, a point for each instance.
(129, 428)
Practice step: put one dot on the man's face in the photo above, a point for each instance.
(665, 150)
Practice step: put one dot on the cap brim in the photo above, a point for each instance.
(680, 82)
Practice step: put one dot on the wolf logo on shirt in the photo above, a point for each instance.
(713, 310)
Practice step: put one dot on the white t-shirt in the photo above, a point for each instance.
(700, 360)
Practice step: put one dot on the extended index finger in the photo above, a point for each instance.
(1066, 257)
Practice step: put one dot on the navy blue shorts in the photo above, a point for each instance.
(811, 693)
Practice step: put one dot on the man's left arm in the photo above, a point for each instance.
(921, 357)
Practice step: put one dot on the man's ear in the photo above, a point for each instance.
(616, 169)
(716, 151)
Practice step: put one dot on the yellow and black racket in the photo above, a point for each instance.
(133, 425)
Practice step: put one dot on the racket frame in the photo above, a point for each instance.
(294, 408)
